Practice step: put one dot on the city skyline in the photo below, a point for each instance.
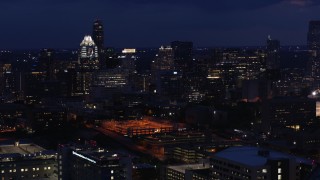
(62, 24)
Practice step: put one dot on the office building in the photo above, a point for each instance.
(164, 59)
(98, 38)
(47, 63)
(98, 34)
(88, 162)
(88, 62)
(182, 54)
(313, 39)
(273, 57)
(313, 42)
(257, 163)
(128, 59)
(26, 161)
(188, 172)
(294, 113)
(88, 55)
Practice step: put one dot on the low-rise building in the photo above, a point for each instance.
(27, 161)
(257, 163)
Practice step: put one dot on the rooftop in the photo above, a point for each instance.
(20, 149)
(249, 156)
(183, 168)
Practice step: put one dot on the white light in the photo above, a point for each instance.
(127, 51)
(83, 157)
(314, 93)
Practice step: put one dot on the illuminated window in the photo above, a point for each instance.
(112, 177)
(111, 171)
(49, 168)
(264, 171)
(279, 170)
(279, 177)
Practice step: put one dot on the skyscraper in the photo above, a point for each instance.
(88, 62)
(273, 49)
(164, 59)
(47, 63)
(98, 34)
(98, 38)
(88, 55)
(313, 40)
(182, 54)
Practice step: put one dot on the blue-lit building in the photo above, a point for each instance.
(258, 163)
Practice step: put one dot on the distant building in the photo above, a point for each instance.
(87, 162)
(294, 113)
(107, 82)
(188, 172)
(88, 62)
(27, 161)
(47, 64)
(88, 55)
(313, 39)
(98, 34)
(168, 83)
(98, 38)
(128, 59)
(182, 54)
(258, 163)
(273, 51)
(164, 59)
(144, 171)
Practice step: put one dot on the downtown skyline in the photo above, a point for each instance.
(62, 24)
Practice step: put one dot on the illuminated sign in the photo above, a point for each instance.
(83, 157)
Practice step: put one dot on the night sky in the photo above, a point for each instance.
(150, 23)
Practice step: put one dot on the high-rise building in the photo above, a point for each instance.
(88, 55)
(313, 39)
(98, 34)
(98, 38)
(128, 58)
(47, 63)
(273, 57)
(164, 59)
(182, 53)
(88, 62)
